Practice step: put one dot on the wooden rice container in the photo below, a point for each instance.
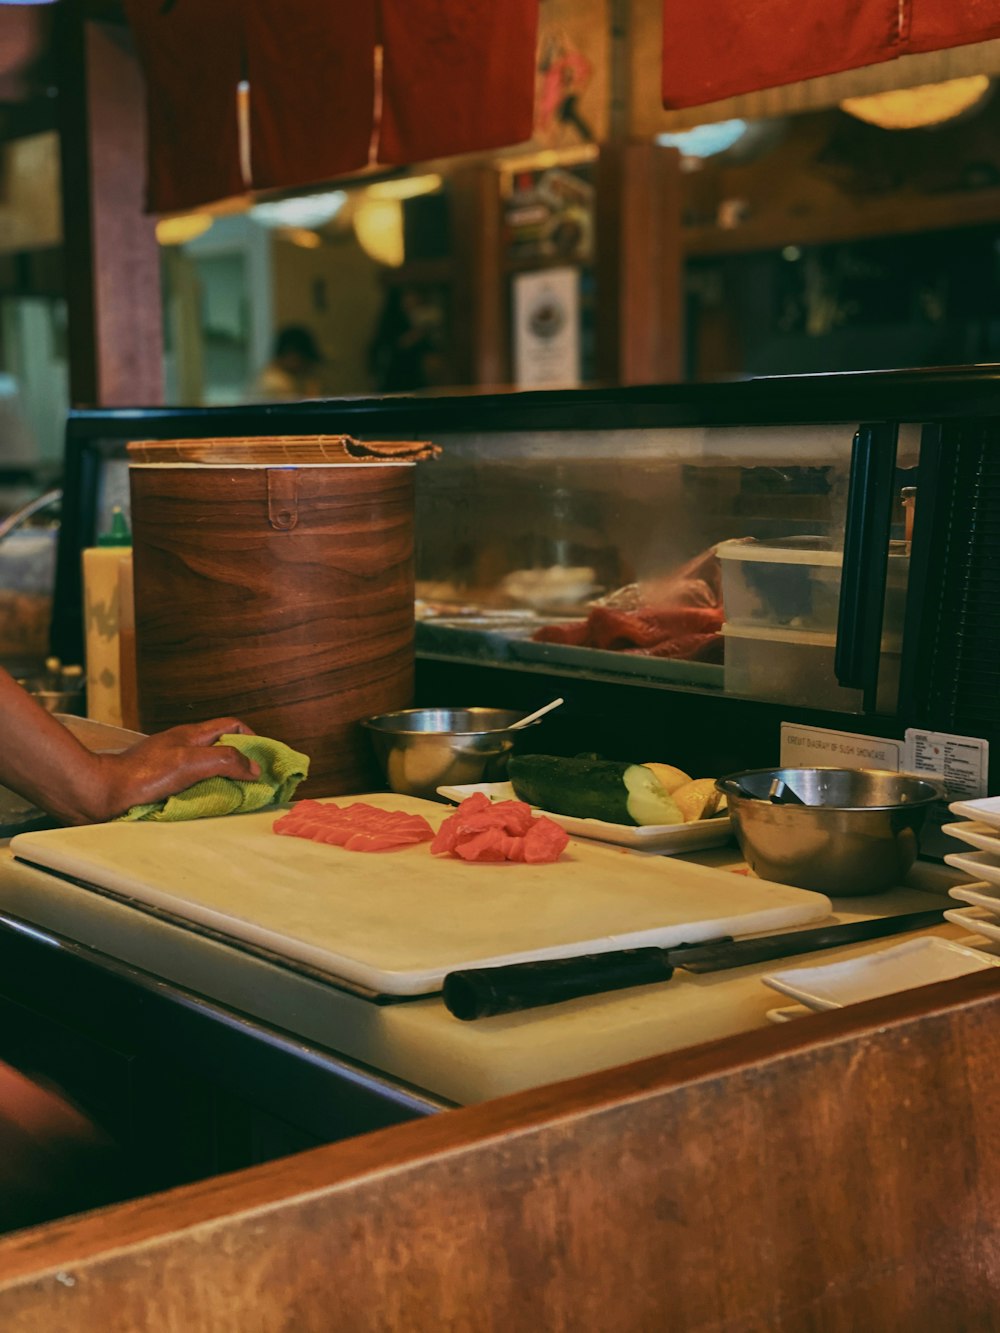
(282, 595)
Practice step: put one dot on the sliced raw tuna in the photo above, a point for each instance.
(506, 831)
(358, 827)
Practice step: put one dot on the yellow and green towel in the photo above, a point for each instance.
(281, 771)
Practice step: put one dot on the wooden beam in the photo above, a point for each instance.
(639, 265)
(112, 259)
(903, 213)
(481, 331)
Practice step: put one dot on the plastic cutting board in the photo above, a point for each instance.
(397, 922)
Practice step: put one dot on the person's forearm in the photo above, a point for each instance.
(42, 761)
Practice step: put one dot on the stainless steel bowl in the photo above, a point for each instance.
(421, 749)
(856, 832)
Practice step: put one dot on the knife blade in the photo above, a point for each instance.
(481, 992)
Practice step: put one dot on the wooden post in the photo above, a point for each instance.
(639, 264)
(479, 307)
(112, 259)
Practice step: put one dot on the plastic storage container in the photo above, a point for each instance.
(795, 584)
(796, 667)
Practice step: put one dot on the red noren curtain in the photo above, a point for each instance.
(192, 55)
(458, 75)
(720, 48)
(312, 88)
(935, 24)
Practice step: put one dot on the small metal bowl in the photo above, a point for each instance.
(856, 831)
(421, 749)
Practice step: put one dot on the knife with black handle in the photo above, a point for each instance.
(480, 992)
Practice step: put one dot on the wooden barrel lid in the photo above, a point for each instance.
(281, 449)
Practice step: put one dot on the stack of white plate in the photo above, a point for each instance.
(979, 828)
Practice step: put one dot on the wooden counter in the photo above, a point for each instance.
(782, 1178)
(196, 1058)
(830, 1174)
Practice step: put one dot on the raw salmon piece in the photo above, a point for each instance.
(444, 840)
(544, 842)
(477, 801)
(513, 816)
(484, 846)
(506, 831)
(358, 827)
(378, 842)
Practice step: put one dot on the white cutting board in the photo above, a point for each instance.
(397, 922)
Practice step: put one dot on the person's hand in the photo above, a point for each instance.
(43, 761)
(164, 764)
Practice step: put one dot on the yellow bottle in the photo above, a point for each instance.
(101, 613)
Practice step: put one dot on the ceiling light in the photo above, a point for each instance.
(921, 107)
(378, 225)
(183, 228)
(705, 140)
(302, 237)
(306, 210)
(405, 187)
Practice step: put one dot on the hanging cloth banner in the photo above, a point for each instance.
(311, 71)
(715, 49)
(192, 55)
(936, 24)
(457, 76)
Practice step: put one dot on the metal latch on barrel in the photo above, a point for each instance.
(282, 498)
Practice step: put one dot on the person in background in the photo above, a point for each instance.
(397, 357)
(294, 368)
(44, 763)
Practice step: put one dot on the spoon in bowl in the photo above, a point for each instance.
(533, 717)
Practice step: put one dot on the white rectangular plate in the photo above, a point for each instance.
(980, 865)
(980, 920)
(916, 962)
(985, 811)
(983, 836)
(980, 895)
(668, 839)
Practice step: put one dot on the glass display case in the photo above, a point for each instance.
(708, 560)
(704, 557)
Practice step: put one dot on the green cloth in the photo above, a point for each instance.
(281, 771)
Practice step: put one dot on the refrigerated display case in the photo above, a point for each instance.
(683, 563)
(633, 552)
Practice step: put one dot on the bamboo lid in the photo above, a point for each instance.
(281, 449)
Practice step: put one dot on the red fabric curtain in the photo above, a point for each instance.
(935, 24)
(192, 55)
(312, 89)
(458, 75)
(720, 48)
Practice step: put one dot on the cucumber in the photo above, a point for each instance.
(587, 788)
